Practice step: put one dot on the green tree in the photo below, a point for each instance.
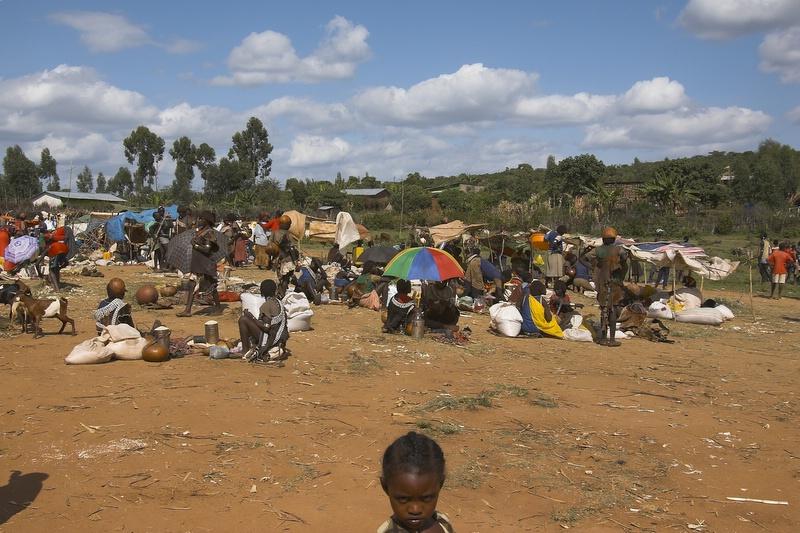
(251, 148)
(47, 170)
(414, 198)
(21, 175)
(184, 153)
(205, 160)
(121, 184)
(299, 191)
(577, 173)
(227, 178)
(84, 182)
(147, 149)
(101, 182)
(602, 199)
(370, 182)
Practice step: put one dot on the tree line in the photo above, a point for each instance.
(731, 182)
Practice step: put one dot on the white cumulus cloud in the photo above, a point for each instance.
(67, 98)
(108, 32)
(473, 93)
(654, 96)
(314, 150)
(270, 57)
(687, 127)
(104, 32)
(309, 114)
(725, 19)
(780, 54)
(556, 109)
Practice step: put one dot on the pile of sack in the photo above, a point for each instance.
(298, 309)
(709, 316)
(115, 342)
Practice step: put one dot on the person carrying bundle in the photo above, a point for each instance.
(610, 266)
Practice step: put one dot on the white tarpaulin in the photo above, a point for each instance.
(346, 230)
(451, 231)
(713, 268)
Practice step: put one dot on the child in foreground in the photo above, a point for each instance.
(412, 476)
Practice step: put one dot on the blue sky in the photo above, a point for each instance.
(390, 88)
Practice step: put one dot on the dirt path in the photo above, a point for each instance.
(539, 435)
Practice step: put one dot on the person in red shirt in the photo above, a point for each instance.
(779, 260)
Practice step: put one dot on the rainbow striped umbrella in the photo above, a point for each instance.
(424, 263)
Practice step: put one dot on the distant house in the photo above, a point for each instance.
(460, 185)
(630, 191)
(328, 212)
(727, 175)
(373, 198)
(77, 199)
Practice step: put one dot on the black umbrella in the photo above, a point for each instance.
(179, 250)
(380, 255)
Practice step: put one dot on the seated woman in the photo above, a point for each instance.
(363, 290)
(536, 314)
(113, 310)
(439, 305)
(311, 279)
(261, 336)
(400, 308)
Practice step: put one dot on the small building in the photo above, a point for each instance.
(727, 175)
(78, 199)
(460, 185)
(373, 198)
(630, 191)
(327, 212)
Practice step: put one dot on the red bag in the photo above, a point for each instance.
(229, 296)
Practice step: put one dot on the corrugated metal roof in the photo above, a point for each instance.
(98, 196)
(362, 192)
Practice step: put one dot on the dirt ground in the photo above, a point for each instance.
(539, 435)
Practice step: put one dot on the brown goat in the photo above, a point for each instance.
(36, 309)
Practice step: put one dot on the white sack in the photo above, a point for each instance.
(301, 321)
(252, 302)
(704, 315)
(660, 310)
(89, 352)
(295, 303)
(725, 311)
(129, 349)
(505, 319)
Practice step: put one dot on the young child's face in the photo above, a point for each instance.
(413, 496)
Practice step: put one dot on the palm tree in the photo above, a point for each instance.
(602, 199)
(671, 189)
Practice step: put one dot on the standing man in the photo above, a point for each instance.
(473, 276)
(555, 260)
(161, 232)
(610, 263)
(779, 261)
(765, 249)
(203, 267)
(287, 255)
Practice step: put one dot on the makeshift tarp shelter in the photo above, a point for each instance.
(343, 232)
(679, 257)
(667, 254)
(115, 226)
(451, 231)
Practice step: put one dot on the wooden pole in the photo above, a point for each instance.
(752, 307)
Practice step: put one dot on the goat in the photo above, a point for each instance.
(34, 310)
(8, 293)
